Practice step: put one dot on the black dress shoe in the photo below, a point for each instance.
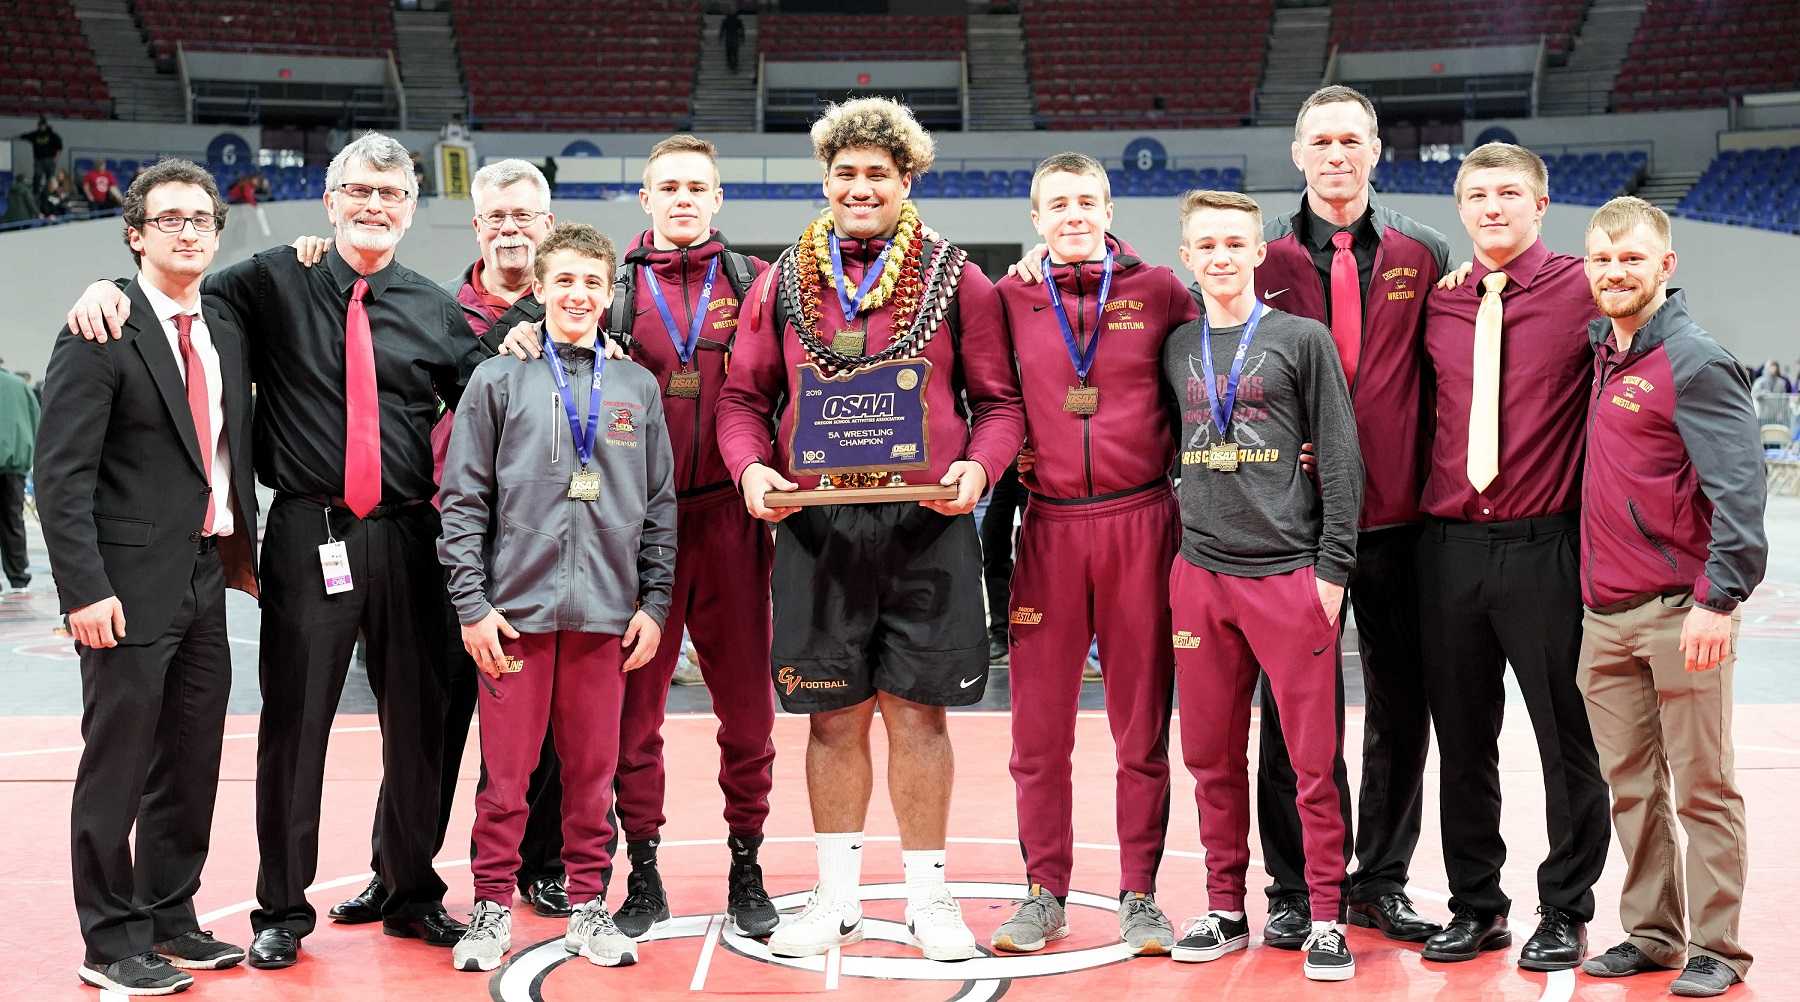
(274, 947)
(1393, 914)
(1290, 922)
(435, 927)
(1621, 961)
(549, 897)
(1559, 943)
(1468, 935)
(362, 909)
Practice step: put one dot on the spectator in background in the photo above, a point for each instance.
(19, 411)
(1771, 380)
(101, 186)
(550, 174)
(1769, 391)
(731, 32)
(418, 166)
(56, 196)
(45, 145)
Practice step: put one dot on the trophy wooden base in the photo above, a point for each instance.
(859, 495)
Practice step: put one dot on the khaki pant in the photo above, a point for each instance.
(1651, 717)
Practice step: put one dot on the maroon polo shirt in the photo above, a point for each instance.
(1545, 363)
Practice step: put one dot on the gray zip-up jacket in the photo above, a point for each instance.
(513, 540)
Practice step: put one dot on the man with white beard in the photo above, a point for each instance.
(343, 434)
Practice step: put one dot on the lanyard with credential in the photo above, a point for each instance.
(1082, 359)
(1221, 408)
(684, 349)
(585, 439)
(869, 279)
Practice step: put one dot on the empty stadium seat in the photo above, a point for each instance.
(1759, 188)
(1699, 53)
(316, 27)
(1373, 26)
(835, 37)
(46, 64)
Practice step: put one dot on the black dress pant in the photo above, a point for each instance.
(1492, 595)
(1396, 733)
(397, 605)
(997, 525)
(459, 711)
(152, 722)
(13, 557)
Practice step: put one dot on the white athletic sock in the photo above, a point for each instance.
(924, 872)
(1234, 916)
(840, 867)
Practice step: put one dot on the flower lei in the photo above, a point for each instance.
(900, 281)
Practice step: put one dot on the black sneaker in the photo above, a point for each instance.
(1328, 956)
(1703, 977)
(1210, 937)
(144, 974)
(746, 903)
(1290, 922)
(646, 903)
(199, 951)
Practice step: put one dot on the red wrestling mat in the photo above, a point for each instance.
(691, 959)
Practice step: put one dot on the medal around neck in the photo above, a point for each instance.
(584, 485)
(1223, 456)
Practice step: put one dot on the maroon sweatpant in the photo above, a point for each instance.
(1096, 568)
(573, 681)
(1224, 627)
(722, 562)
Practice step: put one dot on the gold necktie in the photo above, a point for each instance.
(1484, 401)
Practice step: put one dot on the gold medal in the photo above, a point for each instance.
(684, 384)
(849, 342)
(1082, 400)
(584, 485)
(1222, 457)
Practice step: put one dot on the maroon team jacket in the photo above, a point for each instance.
(682, 273)
(1673, 491)
(764, 375)
(1129, 441)
(1389, 392)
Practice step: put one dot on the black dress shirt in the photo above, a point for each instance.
(1316, 234)
(294, 325)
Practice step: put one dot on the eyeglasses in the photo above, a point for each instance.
(203, 223)
(520, 217)
(363, 192)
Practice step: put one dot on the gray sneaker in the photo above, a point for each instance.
(1143, 926)
(601, 941)
(1039, 919)
(687, 670)
(489, 937)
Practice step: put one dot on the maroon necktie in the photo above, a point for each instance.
(362, 415)
(199, 405)
(1346, 304)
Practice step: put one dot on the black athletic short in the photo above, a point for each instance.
(877, 597)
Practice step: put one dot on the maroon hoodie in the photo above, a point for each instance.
(1129, 441)
(763, 375)
(682, 273)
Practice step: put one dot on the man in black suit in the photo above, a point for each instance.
(146, 495)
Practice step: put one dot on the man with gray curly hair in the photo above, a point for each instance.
(875, 604)
(343, 435)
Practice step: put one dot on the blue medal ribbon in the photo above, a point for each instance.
(840, 283)
(1083, 360)
(584, 441)
(683, 349)
(1221, 408)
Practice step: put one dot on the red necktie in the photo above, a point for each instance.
(362, 415)
(199, 405)
(1346, 304)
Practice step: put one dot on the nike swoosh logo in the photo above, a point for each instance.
(1041, 307)
(846, 928)
(939, 866)
(965, 683)
(1271, 295)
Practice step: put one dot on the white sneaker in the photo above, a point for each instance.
(817, 928)
(938, 930)
(593, 935)
(489, 937)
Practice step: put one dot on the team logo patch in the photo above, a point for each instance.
(1025, 615)
(622, 424)
(1185, 641)
(790, 679)
(1119, 317)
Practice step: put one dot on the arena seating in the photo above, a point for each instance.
(1379, 26)
(833, 37)
(315, 27)
(1577, 178)
(1696, 53)
(972, 183)
(1096, 64)
(1759, 188)
(46, 65)
(616, 64)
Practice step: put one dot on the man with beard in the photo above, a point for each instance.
(876, 605)
(343, 434)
